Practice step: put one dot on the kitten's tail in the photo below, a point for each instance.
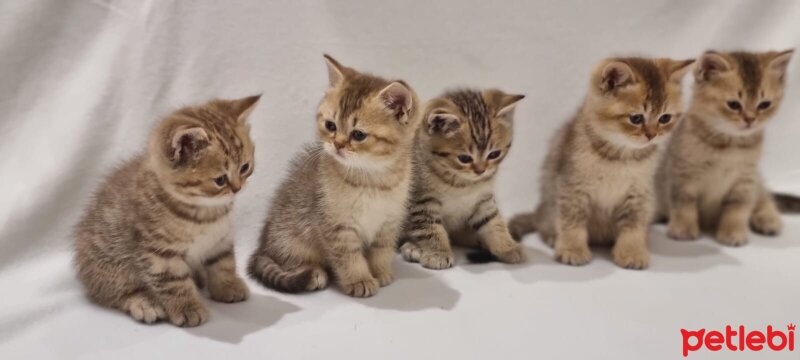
(266, 271)
(522, 224)
(787, 203)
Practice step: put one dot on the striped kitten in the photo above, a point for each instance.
(466, 136)
(341, 207)
(597, 183)
(159, 226)
(710, 176)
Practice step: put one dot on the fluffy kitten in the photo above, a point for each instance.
(710, 176)
(597, 183)
(342, 205)
(466, 136)
(160, 224)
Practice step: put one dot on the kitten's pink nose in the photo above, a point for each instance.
(479, 170)
(649, 135)
(749, 120)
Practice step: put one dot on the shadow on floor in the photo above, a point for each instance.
(414, 289)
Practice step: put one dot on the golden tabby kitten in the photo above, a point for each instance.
(161, 222)
(597, 183)
(342, 205)
(466, 136)
(710, 177)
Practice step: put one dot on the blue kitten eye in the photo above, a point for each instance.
(465, 159)
(764, 105)
(665, 119)
(330, 126)
(735, 105)
(494, 154)
(636, 119)
(221, 181)
(358, 135)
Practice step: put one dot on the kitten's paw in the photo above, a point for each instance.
(635, 257)
(319, 280)
(361, 288)
(732, 236)
(514, 255)
(145, 310)
(682, 231)
(437, 260)
(410, 252)
(384, 278)
(576, 256)
(188, 314)
(766, 223)
(230, 291)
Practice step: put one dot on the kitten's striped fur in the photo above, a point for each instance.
(160, 224)
(597, 182)
(341, 207)
(452, 200)
(710, 177)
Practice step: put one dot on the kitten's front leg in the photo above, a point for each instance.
(493, 232)
(684, 214)
(173, 288)
(633, 218)
(381, 252)
(223, 283)
(572, 243)
(766, 218)
(738, 204)
(346, 257)
(427, 240)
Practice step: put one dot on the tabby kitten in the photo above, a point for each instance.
(342, 205)
(159, 227)
(710, 175)
(466, 136)
(598, 177)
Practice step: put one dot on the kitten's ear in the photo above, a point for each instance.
(678, 69)
(186, 143)
(780, 62)
(398, 99)
(710, 64)
(442, 122)
(241, 108)
(615, 75)
(336, 71)
(501, 102)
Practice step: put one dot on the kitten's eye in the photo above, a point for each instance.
(665, 119)
(637, 119)
(764, 105)
(330, 126)
(244, 168)
(494, 155)
(734, 105)
(358, 135)
(465, 159)
(221, 181)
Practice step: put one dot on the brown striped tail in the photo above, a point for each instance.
(522, 224)
(789, 204)
(266, 271)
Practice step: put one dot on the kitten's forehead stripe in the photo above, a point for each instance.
(355, 91)
(220, 130)
(654, 79)
(749, 70)
(477, 112)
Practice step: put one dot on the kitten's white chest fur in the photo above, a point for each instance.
(207, 240)
(370, 209)
(609, 183)
(459, 203)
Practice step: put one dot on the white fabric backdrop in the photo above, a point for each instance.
(82, 82)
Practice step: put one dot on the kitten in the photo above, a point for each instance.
(465, 137)
(343, 203)
(710, 176)
(160, 225)
(598, 177)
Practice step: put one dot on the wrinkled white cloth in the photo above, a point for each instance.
(83, 81)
